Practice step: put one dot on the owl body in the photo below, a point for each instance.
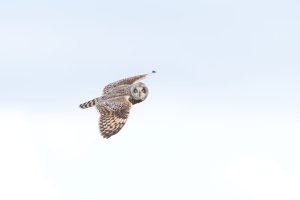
(115, 103)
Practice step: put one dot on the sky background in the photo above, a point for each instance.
(221, 120)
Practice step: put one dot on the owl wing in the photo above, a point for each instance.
(125, 81)
(114, 114)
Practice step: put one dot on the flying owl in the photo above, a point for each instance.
(116, 101)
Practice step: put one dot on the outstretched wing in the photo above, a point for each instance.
(125, 81)
(114, 114)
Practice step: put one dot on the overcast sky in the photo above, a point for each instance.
(221, 120)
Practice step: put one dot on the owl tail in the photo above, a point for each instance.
(88, 104)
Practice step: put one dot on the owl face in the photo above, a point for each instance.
(139, 91)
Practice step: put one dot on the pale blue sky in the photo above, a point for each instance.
(221, 120)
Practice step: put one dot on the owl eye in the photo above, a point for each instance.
(135, 90)
(143, 90)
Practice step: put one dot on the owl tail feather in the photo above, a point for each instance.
(88, 104)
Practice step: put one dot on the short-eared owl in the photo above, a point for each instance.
(115, 103)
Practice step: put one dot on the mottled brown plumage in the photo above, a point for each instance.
(114, 114)
(115, 104)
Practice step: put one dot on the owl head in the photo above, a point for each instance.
(139, 91)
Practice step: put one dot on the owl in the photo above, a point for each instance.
(116, 101)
